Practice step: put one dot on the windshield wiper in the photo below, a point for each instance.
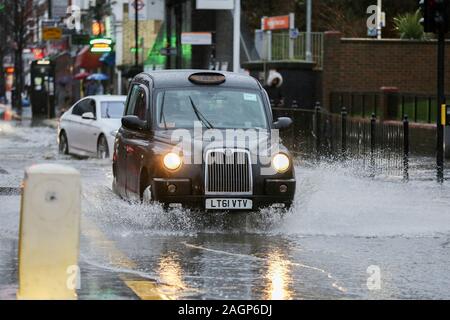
(161, 115)
(200, 116)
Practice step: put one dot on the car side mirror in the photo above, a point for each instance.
(88, 116)
(282, 123)
(134, 123)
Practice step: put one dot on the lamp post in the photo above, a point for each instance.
(237, 36)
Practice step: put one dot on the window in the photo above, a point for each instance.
(140, 109)
(213, 107)
(137, 104)
(132, 101)
(86, 105)
(78, 109)
(112, 109)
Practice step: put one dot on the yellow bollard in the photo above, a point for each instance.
(49, 232)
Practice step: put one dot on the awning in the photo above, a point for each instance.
(88, 60)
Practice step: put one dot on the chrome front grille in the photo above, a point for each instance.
(228, 171)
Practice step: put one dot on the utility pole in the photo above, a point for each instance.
(379, 17)
(49, 4)
(308, 30)
(237, 36)
(2, 48)
(168, 33)
(136, 34)
(441, 102)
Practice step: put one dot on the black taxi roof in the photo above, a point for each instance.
(180, 78)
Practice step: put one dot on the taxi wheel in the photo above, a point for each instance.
(102, 148)
(63, 144)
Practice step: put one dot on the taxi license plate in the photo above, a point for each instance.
(229, 204)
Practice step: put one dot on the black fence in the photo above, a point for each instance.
(420, 108)
(368, 144)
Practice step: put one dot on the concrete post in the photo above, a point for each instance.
(49, 233)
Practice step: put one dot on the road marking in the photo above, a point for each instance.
(144, 289)
(295, 264)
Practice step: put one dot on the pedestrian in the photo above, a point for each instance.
(273, 88)
(99, 90)
(91, 88)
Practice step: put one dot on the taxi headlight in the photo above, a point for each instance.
(172, 161)
(281, 162)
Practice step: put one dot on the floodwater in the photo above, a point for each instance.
(348, 236)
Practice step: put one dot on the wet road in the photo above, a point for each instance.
(341, 225)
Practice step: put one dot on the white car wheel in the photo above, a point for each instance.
(102, 148)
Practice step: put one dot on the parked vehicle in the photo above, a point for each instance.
(150, 165)
(89, 127)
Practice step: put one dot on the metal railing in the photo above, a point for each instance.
(368, 145)
(419, 108)
(278, 48)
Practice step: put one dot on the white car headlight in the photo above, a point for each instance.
(281, 163)
(172, 161)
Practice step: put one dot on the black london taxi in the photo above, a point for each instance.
(202, 139)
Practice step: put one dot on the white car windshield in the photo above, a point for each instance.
(213, 107)
(112, 109)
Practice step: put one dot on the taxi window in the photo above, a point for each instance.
(213, 107)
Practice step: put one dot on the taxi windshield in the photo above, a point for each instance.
(214, 108)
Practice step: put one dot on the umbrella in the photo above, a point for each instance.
(98, 76)
(81, 75)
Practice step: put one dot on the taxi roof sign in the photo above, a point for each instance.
(207, 78)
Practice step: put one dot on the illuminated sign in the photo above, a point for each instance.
(43, 62)
(215, 4)
(101, 45)
(9, 70)
(196, 38)
(98, 28)
(276, 23)
(38, 53)
(51, 33)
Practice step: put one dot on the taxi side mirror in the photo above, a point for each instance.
(282, 123)
(134, 123)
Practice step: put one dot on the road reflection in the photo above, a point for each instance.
(171, 275)
(278, 277)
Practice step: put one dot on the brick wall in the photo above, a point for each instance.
(366, 65)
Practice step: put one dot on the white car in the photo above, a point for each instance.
(89, 127)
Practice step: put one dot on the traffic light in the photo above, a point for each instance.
(436, 15)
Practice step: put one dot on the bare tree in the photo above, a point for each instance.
(22, 10)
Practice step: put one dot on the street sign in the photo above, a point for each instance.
(294, 33)
(140, 6)
(156, 10)
(51, 33)
(215, 4)
(275, 23)
(196, 38)
(168, 51)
